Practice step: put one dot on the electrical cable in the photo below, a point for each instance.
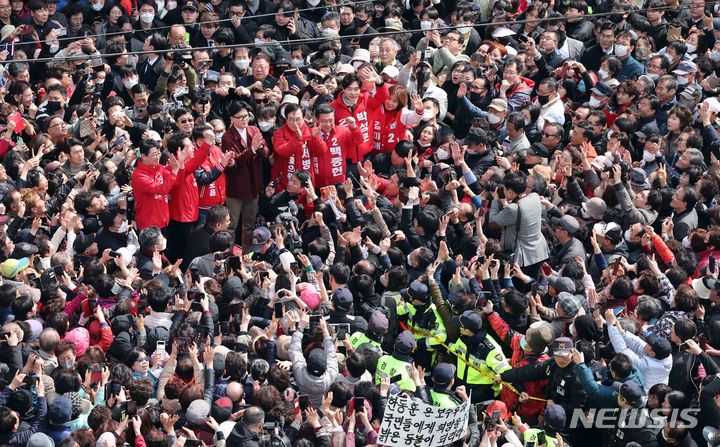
(323, 39)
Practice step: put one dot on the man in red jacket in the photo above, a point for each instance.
(339, 142)
(295, 147)
(184, 195)
(245, 173)
(152, 183)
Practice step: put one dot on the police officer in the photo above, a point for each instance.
(634, 426)
(377, 328)
(423, 321)
(564, 387)
(443, 379)
(342, 301)
(553, 424)
(479, 357)
(399, 363)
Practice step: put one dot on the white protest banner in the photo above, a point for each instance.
(410, 423)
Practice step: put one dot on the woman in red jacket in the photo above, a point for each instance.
(151, 184)
(391, 120)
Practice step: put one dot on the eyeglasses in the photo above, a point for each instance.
(242, 117)
(185, 121)
(142, 359)
(60, 124)
(545, 134)
(450, 38)
(261, 101)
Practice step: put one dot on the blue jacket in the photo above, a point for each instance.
(58, 432)
(602, 396)
(631, 69)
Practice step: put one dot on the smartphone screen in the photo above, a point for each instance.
(396, 378)
(360, 404)
(304, 402)
(278, 310)
(711, 264)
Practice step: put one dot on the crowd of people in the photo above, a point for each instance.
(267, 223)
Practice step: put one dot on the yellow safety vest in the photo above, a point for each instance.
(494, 363)
(359, 338)
(442, 400)
(388, 366)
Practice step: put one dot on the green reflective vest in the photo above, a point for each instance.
(442, 400)
(388, 366)
(530, 435)
(494, 363)
(359, 338)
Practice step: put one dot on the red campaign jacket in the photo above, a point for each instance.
(213, 193)
(387, 129)
(184, 196)
(245, 176)
(529, 408)
(330, 168)
(367, 103)
(151, 187)
(293, 154)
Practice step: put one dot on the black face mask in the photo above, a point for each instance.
(543, 99)
(53, 106)
(475, 98)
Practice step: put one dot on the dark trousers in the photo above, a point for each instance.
(177, 236)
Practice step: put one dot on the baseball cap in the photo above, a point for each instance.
(601, 162)
(470, 320)
(83, 242)
(417, 291)
(191, 5)
(704, 285)
(475, 136)
(611, 231)
(498, 104)
(24, 250)
(11, 267)
(342, 298)
(405, 342)
(391, 71)
(562, 346)
(378, 323)
(538, 150)
(443, 373)
(261, 236)
(685, 67)
(567, 223)
(554, 417)
(632, 393)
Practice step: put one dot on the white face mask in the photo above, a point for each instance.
(686, 242)
(425, 25)
(130, 83)
(621, 50)
(442, 154)
(668, 57)
(67, 364)
(648, 157)
(603, 74)
(181, 91)
(297, 63)
(115, 190)
(464, 29)
(123, 227)
(594, 102)
(329, 32)
(304, 104)
(715, 55)
(163, 245)
(147, 17)
(265, 125)
(653, 76)
(691, 48)
(242, 64)
(682, 80)
(259, 41)
(218, 138)
(97, 7)
(493, 119)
